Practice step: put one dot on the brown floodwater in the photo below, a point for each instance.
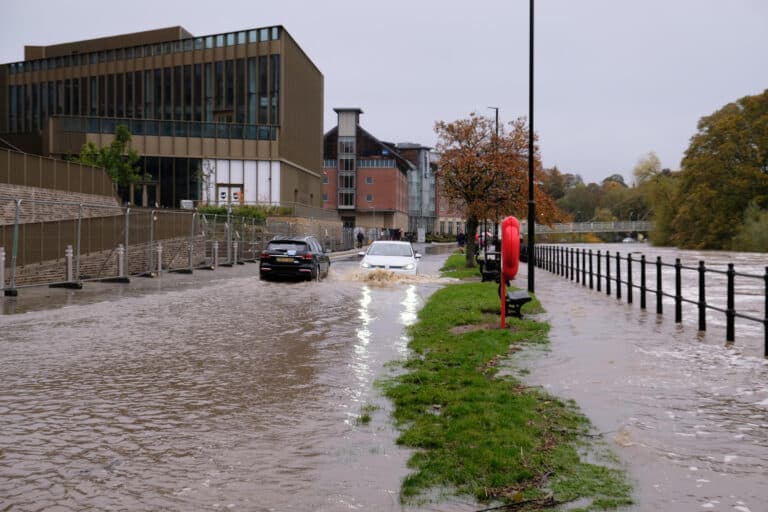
(210, 391)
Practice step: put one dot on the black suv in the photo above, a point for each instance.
(300, 257)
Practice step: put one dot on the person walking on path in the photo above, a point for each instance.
(360, 239)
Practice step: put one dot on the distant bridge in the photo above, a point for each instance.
(621, 226)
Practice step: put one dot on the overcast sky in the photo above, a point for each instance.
(615, 79)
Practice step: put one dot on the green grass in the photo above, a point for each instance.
(480, 434)
(455, 266)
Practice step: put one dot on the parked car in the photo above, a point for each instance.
(390, 255)
(299, 257)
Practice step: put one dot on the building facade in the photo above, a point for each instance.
(421, 186)
(220, 119)
(365, 179)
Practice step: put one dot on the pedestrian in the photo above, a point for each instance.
(360, 239)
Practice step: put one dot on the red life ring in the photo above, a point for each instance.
(510, 247)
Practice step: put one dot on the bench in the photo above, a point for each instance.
(515, 300)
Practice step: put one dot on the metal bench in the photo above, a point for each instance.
(515, 300)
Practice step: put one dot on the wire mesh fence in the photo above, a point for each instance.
(60, 243)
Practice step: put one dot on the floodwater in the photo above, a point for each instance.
(208, 391)
(217, 391)
(687, 414)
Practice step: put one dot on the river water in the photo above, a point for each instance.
(218, 391)
(687, 414)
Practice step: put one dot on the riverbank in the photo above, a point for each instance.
(477, 428)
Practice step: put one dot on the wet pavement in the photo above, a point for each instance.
(687, 415)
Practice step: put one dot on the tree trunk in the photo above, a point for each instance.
(471, 232)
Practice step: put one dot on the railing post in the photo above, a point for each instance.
(127, 228)
(642, 281)
(730, 312)
(607, 272)
(702, 297)
(79, 237)
(599, 277)
(659, 294)
(618, 275)
(120, 260)
(68, 252)
(578, 273)
(629, 278)
(215, 253)
(765, 312)
(234, 252)
(678, 292)
(159, 259)
(14, 250)
(2, 268)
(151, 258)
(192, 241)
(583, 267)
(591, 283)
(571, 264)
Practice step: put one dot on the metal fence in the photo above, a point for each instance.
(63, 243)
(595, 271)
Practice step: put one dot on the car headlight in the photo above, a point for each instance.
(365, 264)
(409, 266)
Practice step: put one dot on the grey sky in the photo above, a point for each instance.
(615, 79)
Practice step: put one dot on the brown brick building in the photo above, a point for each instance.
(365, 179)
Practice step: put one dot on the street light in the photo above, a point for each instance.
(531, 202)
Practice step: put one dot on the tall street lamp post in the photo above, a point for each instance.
(531, 202)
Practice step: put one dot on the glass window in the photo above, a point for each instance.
(93, 58)
(149, 92)
(94, 96)
(230, 39)
(369, 180)
(325, 197)
(251, 90)
(138, 101)
(325, 179)
(167, 48)
(167, 100)
(67, 99)
(197, 86)
(274, 114)
(241, 38)
(239, 91)
(129, 94)
(102, 57)
(275, 33)
(263, 98)
(157, 97)
(187, 92)
(129, 53)
(229, 73)
(209, 42)
(76, 96)
(119, 98)
(177, 93)
(369, 197)
(110, 96)
(220, 41)
(219, 92)
(253, 36)
(178, 46)
(36, 65)
(189, 45)
(208, 95)
(264, 34)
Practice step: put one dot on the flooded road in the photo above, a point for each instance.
(687, 415)
(218, 391)
(210, 391)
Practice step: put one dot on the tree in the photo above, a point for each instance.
(724, 170)
(488, 175)
(120, 162)
(646, 168)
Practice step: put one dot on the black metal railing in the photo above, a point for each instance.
(593, 269)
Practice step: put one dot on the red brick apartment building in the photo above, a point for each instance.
(365, 179)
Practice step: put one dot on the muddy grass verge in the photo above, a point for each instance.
(480, 433)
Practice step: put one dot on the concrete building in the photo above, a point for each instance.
(365, 179)
(224, 118)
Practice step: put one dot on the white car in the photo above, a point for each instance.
(392, 256)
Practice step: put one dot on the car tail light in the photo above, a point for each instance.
(264, 255)
(307, 256)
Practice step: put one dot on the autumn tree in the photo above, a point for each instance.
(724, 171)
(488, 175)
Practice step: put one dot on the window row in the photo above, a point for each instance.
(241, 90)
(108, 125)
(135, 52)
(387, 162)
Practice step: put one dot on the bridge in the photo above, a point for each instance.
(621, 226)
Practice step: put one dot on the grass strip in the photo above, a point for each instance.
(483, 433)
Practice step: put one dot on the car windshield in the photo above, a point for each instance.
(287, 245)
(390, 250)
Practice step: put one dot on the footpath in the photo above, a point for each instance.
(687, 416)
